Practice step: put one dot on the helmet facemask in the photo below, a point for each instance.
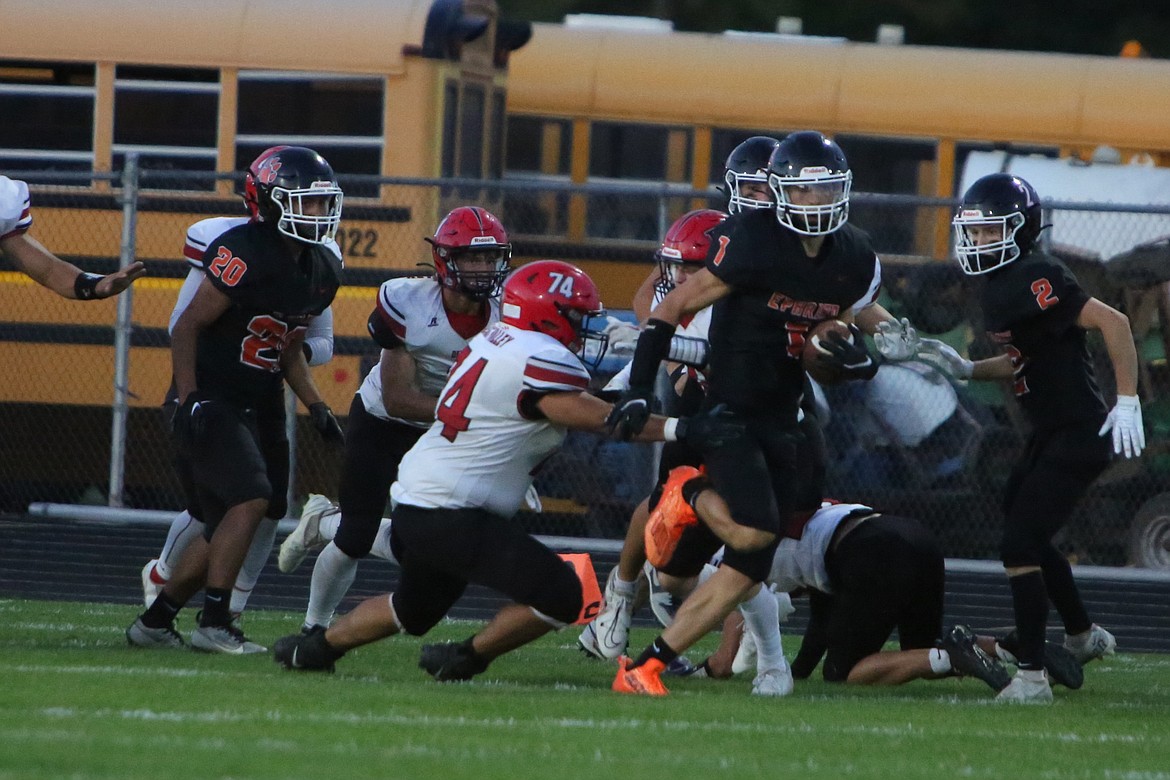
(981, 258)
(477, 284)
(588, 344)
(829, 209)
(736, 200)
(295, 221)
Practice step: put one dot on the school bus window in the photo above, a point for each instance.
(273, 102)
(539, 145)
(632, 218)
(496, 146)
(344, 160)
(47, 113)
(471, 132)
(450, 127)
(889, 165)
(628, 151)
(155, 162)
(166, 114)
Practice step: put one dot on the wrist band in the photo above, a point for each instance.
(85, 286)
(670, 429)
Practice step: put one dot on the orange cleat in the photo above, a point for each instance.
(670, 518)
(643, 680)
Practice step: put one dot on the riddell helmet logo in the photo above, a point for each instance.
(971, 214)
(480, 240)
(266, 173)
(814, 171)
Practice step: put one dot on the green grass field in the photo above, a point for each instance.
(76, 702)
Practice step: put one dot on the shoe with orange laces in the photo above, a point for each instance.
(643, 680)
(671, 516)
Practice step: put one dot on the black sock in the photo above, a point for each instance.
(1065, 595)
(217, 607)
(1030, 601)
(692, 488)
(657, 649)
(161, 613)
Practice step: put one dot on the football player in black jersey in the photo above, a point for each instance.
(231, 348)
(1035, 309)
(771, 275)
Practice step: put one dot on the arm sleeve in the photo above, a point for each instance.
(15, 210)
(186, 293)
(319, 339)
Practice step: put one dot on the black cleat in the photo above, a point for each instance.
(968, 660)
(306, 652)
(451, 661)
(1062, 666)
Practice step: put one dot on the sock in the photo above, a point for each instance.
(254, 562)
(331, 520)
(940, 661)
(1030, 602)
(162, 612)
(657, 649)
(332, 575)
(1033, 675)
(183, 530)
(381, 548)
(216, 607)
(692, 488)
(155, 577)
(622, 587)
(761, 613)
(1062, 589)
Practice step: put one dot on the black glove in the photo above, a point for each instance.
(326, 424)
(853, 359)
(630, 413)
(189, 419)
(709, 430)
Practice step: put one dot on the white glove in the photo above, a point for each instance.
(944, 357)
(1125, 420)
(623, 336)
(896, 340)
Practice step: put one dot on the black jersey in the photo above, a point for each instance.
(273, 297)
(778, 293)
(1030, 307)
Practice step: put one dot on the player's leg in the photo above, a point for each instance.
(274, 447)
(183, 530)
(254, 563)
(606, 636)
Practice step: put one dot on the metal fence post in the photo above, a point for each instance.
(290, 429)
(122, 330)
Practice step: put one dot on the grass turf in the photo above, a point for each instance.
(75, 701)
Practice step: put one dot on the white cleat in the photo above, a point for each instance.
(307, 535)
(1027, 687)
(662, 602)
(227, 640)
(1091, 645)
(745, 656)
(609, 633)
(150, 588)
(773, 682)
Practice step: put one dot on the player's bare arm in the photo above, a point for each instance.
(701, 290)
(999, 367)
(400, 393)
(63, 278)
(206, 307)
(296, 371)
(581, 411)
(1115, 330)
(644, 297)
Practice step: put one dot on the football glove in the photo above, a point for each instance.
(623, 337)
(189, 419)
(1125, 421)
(851, 358)
(897, 340)
(945, 358)
(630, 413)
(326, 424)
(709, 430)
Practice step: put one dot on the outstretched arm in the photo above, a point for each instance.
(63, 278)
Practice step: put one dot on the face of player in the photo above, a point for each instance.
(479, 272)
(312, 206)
(985, 234)
(680, 272)
(755, 190)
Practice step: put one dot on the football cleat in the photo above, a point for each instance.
(661, 600)
(451, 661)
(1091, 645)
(1062, 666)
(671, 516)
(968, 660)
(307, 535)
(141, 635)
(1027, 688)
(306, 652)
(745, 656)
(608, 634)
(227, 640)
(643, 680)
(152, 583)
(773, 682)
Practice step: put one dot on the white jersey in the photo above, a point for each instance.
(413, 308)
(482, 451)
(800, 563)
(696, 326)
(15, 216)
(200, 235)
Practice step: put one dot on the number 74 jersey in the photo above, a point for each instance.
(488, 438)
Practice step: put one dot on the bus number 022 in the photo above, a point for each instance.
(356, 242)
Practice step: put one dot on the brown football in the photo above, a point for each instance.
(813, 355)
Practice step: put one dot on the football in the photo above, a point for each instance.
(813, 355)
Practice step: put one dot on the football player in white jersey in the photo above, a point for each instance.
(42, 266)
(318, 348)
(422, 324)
(511, 396)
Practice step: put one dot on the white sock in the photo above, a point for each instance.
(622, 587)
(940, 661)
(1033, 675)
(332, 575)
(761, 613)
(381, 548)
(330, 522)
(258, 554)
(184, 529)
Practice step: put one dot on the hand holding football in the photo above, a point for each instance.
(814, 356)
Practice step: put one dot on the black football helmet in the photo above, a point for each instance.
(748, 162)
(810, 162)
(282, 181)
(1004, 202)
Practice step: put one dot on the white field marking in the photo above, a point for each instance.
(67, 627)
(130, 671)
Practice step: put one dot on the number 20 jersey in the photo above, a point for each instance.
(487, 440)
(273, 296)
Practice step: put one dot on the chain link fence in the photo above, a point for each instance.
(912, 442)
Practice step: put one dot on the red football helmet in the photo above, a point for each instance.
(471, 233)
(686, 244)
(557, 298)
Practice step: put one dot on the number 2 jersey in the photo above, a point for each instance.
(15, 216)
(1030, 308)
(489, 438)
(273, 297)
